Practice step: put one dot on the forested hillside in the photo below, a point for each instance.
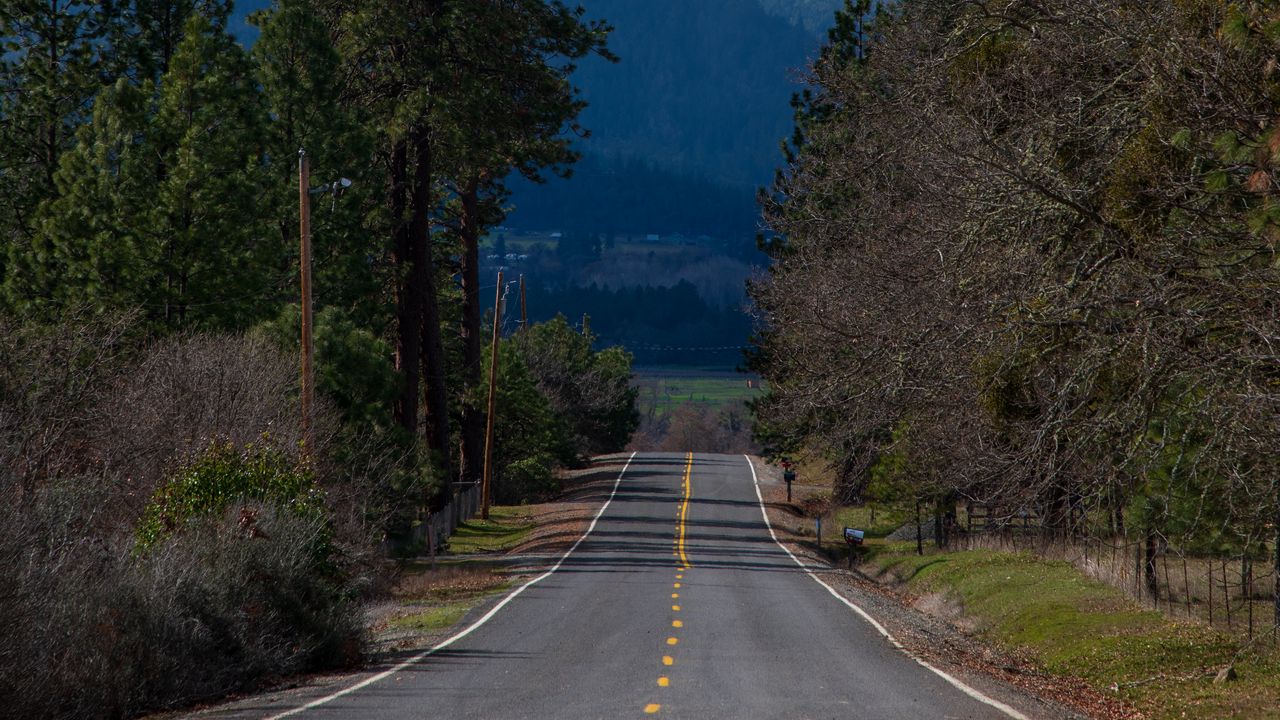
(686, 126)
(1028, 258)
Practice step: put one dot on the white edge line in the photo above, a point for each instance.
(470, 628)
(959, 685)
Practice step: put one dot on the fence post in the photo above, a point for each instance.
(1210, 575)
(1186, 583)
(1246, 585)
(1164, 560)
(1226, 593)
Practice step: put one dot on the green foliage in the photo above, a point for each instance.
(590, 391)
(223, 475)
(353, 367)
(530, 437)
(48, 76)
(158, 203)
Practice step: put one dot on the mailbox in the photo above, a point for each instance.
(789, 476)
(853, 537)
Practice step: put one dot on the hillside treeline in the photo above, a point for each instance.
(1027, 256)
(659, 325)
(170, 531)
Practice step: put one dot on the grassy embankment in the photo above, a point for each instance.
(438, 599)
(1072, 625)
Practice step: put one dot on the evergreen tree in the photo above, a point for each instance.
(145, 34)
(49, 72)
(300, 72)
(158, 203)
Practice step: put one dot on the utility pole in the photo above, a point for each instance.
(308, 376)
(586, 324)
(524, 308)
(493, 387)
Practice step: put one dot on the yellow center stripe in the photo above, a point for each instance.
(684, 509)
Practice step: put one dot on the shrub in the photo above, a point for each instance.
(527, 479)
(222, 475)
(94, 629)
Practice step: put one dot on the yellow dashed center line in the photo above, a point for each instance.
(684, 508)
(680, 551)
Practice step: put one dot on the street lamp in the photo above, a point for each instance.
(305, 191)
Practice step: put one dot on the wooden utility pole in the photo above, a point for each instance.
(304, 219)
(524, 308)
(493, 387)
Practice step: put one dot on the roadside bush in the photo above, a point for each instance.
(253, 564)
(189, 390)
(222, 476)
(93, 629)
(52, 378)
(525, 480)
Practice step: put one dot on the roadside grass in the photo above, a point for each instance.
(432, 600)
(506, 528)
(875, 522)
(434, 618)
(1073, 625)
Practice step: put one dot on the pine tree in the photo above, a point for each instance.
(301, 76)
(49, 73)
(145, 34)
(158, 204)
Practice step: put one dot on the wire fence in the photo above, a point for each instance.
(1235, 593)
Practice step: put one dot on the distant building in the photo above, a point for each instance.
(653, 238)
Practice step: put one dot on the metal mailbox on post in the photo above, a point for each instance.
(854, 539)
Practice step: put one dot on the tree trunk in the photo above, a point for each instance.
(472, 430)
(423, 281)
(408, 308)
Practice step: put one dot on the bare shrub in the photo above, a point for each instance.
(91, 424)
(51, 379)
(93, 629)
(190, 390)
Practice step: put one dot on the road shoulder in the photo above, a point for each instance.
(931, 631)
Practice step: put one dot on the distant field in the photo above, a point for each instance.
(663, 388)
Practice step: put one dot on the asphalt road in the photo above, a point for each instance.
(677, 604)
